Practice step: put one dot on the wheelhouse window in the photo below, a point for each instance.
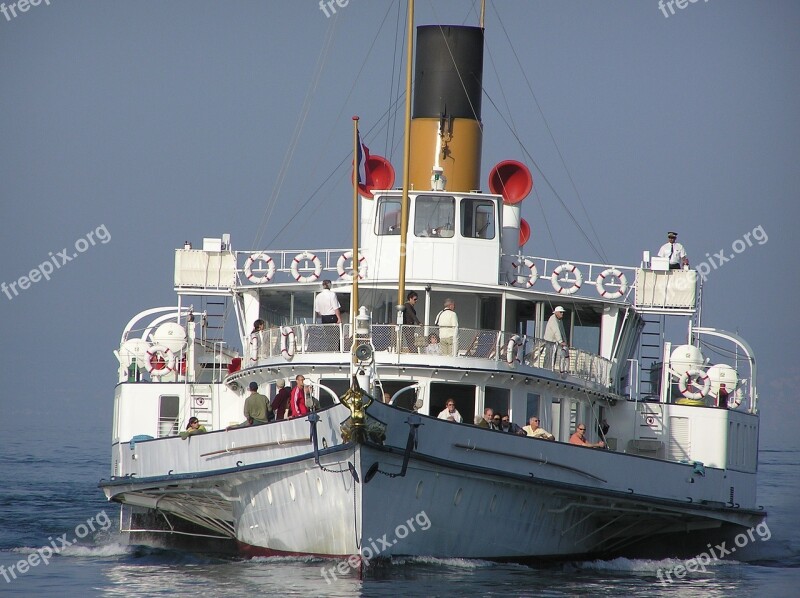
(434, 216)
(477, 218)
(388, 220)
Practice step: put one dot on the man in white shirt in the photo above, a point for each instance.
(674, 251)
(450, 412)
(533, 430)
(554, 333)
(327, 305)
(447, 321)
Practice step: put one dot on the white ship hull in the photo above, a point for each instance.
(466, 492)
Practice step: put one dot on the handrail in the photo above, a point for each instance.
(470, 343)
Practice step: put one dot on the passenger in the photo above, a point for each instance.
(297, 400)
(496, 419)
(674, 251)
(387, 398)
(447, 321)
(193, 427)
(450, 412)
(312, 404)
(579, 438)
(281, 401)
(433, 348)
(506, 425)
(534, 431)
(722, 396)
(554, 333)
(255, 340)
(410, 319)
(487, 421)
(326, 304)
(257, 409)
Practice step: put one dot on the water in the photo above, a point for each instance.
(49, 489)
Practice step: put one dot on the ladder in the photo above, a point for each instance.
(650, 356)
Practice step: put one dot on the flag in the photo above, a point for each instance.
(364, 174)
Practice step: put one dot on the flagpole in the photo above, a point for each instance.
(404, 207)
(354, 292)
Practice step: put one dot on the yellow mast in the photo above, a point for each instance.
(354, 292)
(404, 205)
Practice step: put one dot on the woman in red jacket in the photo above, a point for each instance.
(297, 401)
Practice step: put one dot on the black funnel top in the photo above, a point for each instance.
(448, 72)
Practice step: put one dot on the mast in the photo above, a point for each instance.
(401, 286)
(354, 292)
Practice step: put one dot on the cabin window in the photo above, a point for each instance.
(434, 216)
(168, 406)
(388, 220)
(532, 406)
(462, 394)
(477, 219)
(586, 329)
(498, 399)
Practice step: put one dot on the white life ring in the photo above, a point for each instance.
(600, 282)
(566, 268)
(160, 361)
(532, 277)
(511, 350)
(288, 344)
(259, 257)
(301, 257)
(344, 274)
(683, 384)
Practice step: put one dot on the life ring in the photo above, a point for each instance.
(532, 277)
(288, 344)
(160, 361)
(511, 350)
(683, 384)
(344, 274)
(259, 257)
(600, 282)
(295, 269)
(735, 398)
(566, 268)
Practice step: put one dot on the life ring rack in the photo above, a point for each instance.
(511, 350)
(288, 343)
(696, 376)
(160, 361)
(531, 266)
(259, 256)
(302, 257)
(611, 273)
(558, 287)
(362, 266)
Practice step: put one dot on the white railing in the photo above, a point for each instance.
(439, 343)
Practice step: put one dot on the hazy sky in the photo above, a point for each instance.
(151, 122)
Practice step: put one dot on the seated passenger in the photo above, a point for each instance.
(193, 427)
(534, 431)
(506, 425)
(579, 438)
(450, 412)
(433, 348)
(487, 421)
